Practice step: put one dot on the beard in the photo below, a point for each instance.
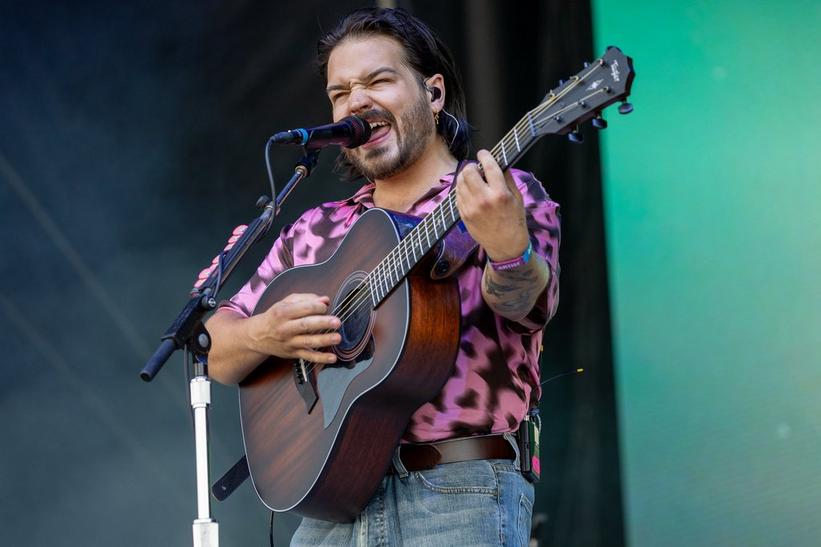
(382, 162)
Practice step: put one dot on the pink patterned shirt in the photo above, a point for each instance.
(496, 377)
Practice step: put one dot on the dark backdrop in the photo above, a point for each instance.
(131, 144)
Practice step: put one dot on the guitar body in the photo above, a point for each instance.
(319, 438)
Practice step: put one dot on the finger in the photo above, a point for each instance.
(308, 325)
(302, 309)
(313, 341)
(239, 230)
(299, 297)
(471, 179)
(510, 181)
(312, 356)
(493, 173)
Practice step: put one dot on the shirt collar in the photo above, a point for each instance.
(364, 195)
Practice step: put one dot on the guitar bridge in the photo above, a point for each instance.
(302, 379)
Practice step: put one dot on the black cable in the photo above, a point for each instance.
(270, 173)
(271, 530)
(568, 373)
(272, 183)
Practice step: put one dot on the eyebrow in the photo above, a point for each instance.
(368, 77)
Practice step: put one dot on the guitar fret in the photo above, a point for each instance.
(516, 136)
(504, 154)
(367, 285)
(413, 250)
(384, 281)
(401, 259)
(381, 281)
(374, 289)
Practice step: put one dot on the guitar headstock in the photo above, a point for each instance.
(583, 97)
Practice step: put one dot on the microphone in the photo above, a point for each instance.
(349, 132)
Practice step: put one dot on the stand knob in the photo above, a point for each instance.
(599, 122)
(575, 137)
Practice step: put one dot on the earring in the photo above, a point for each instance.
(436, 118)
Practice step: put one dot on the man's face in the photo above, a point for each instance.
(367, 77)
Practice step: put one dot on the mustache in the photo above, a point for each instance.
(375, 115)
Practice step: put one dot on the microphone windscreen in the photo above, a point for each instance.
(360, 131)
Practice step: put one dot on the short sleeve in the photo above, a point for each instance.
(278, 259)
(543, 223)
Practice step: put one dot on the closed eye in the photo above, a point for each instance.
(336, 96)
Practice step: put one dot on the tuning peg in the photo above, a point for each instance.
(599, 122)
(586, 64)
(575, 137)
(625, 108)
(561, 82)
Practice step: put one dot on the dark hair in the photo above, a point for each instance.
(425, 53)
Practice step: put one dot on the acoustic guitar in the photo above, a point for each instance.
(319, 438)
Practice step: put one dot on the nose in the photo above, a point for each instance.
(359, 100)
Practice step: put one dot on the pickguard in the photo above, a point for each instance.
(355, 350)
(332, 382)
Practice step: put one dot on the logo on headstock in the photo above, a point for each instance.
(614, 70)
(595, 85)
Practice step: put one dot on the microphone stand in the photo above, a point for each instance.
(188, 333)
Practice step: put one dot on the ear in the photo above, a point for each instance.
(437, 100)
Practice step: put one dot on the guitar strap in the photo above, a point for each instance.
(232, 478)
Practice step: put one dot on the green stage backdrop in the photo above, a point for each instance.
(713, 189)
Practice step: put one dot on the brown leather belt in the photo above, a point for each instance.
(416, 457)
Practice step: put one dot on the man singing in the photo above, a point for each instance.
(391, 70)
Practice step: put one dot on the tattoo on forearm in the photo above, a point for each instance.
(513, 293)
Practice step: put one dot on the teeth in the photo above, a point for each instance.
(374, 125)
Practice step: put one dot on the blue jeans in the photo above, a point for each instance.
(473, 503)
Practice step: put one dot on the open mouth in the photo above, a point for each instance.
(379, 131)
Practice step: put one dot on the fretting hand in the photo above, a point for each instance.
(492, 208)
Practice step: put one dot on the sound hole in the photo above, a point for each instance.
(354, 308)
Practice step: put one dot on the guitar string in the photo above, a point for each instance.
(364, 291)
